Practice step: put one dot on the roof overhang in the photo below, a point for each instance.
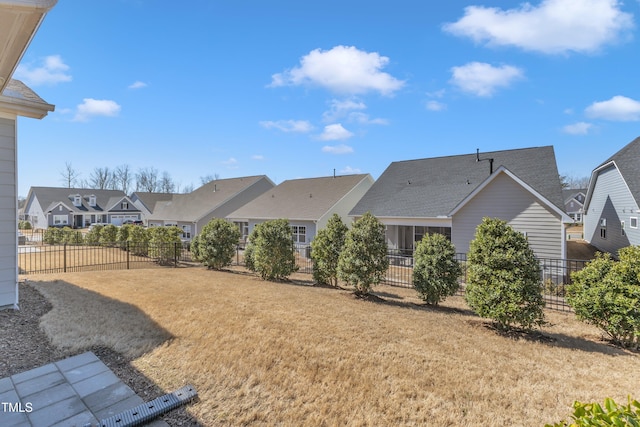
(503, 170)
(19, 21)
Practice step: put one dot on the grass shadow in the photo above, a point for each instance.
(58, 310)
(552, 339)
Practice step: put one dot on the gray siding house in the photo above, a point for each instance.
(146, 202)
(216, 199)
(450, 195)
(77, 207)
(20, 21)
(574, 203)
(307, 204)
(611, 209)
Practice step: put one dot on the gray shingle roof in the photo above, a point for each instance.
(200, 202)
(49, 197)
(18, 90)
(300, 199)
(150, 199)
(628, 162)
(432, 187)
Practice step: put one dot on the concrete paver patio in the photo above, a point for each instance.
(76, 391)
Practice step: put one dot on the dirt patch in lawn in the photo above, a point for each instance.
(289, 353)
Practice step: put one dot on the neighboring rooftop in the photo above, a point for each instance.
(300, 199)
(628, 162)
(432, 187)
(49, 197)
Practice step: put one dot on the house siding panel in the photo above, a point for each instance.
(612, 200)
(344, 205)
(8, 214)
(505, 199)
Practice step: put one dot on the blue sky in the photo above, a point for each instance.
(297, 89)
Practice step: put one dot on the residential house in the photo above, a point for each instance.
(146, 202)
(450, 195)
(307, 204)
(78, 207)
(19, 21)
(611, 207)
(574, 203)
(216, 199)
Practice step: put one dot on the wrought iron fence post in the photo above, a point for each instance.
(126, 245)
(175, 254)
(64, 257)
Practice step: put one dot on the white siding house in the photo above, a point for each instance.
(20, 21)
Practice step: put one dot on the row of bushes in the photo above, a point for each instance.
(503, 275)
(155, 242)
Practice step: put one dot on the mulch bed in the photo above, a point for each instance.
(24, 346)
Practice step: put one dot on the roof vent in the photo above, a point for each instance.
(478, 159)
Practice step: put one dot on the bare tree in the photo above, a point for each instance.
(147, 180)
(166, 184)
(186, 189)
(208, 178)
(122, 177)
(69, 175)
(100, 178)
(574, 182)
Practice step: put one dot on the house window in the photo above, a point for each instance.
(633, 222)
(622, 228)
(77, 200)
(125, 205)
(60, 220)
(92, 200)
(186, 231)
(603, 222)
(299, 233)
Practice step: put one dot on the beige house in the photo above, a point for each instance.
(307, 204)
(216, 199)
(450, 195)
(19, 21)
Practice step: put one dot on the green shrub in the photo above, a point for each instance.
(216, 245)
(93, 235)
(606, 294)
(108, 235)
(503, 281)
(248, 258)
(164, 243)
(271, 249)
(24, 225)
(325, 251)
(71, 237)
(122, 236)
(363, 261)
(435, 270)
(613, 414)
(52, 236)
(138, 241)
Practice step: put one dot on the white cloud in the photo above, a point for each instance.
(351, 110)
(350, 170)
(137, 85)
(483, 79)
(580, 128)
(297, 126)
(619, 108)
(335, 132)
(553, 26)
(435, 106)
(257, 157)
(51, 70)
(96, 107)
(230, 161)
(337, 149)
(343, 69)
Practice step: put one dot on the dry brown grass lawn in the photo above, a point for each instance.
(285, 353)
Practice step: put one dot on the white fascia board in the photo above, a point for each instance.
(563, 216)
(20, 107)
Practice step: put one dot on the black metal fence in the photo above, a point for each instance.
(37, 259)
(555, 274)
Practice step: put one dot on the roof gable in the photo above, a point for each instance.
(203, 200)
(627, 162)
(49, 196)
(433, 187)
(306, 199)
